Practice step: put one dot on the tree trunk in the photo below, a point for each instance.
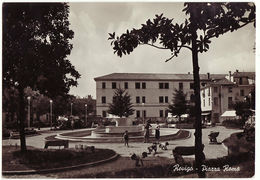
(22, 118)
(199, 155)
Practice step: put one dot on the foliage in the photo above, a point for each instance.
(10, 104)
(205, 21)
(40, 159)
(243, 110)
(121, 104)
(213, 19)
(35, 49)
(79, 107)
(234, 123)
(179, 104)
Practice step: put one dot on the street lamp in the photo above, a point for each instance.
(29, 98)
(143, 111)
(86, 113)
(51, 112)
(71, 109)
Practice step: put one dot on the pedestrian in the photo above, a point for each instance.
(146, 131)
(126, 138)
(157, 132)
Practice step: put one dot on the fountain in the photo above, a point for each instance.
(115, 133)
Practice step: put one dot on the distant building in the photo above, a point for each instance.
(220, 95)
(150, 93)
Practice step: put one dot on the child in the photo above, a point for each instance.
(138, 158)
(126, 137)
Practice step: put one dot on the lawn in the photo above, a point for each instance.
(39, 159)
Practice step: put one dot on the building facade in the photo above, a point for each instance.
(220, 95)
(150, 93)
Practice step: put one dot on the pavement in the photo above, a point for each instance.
(211, 151)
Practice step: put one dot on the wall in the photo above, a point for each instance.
(151, 93)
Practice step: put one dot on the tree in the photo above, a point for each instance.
(121, 104)
(10, 105)
(179, 104)
(243, 110)
(35, 49)
(205, 21)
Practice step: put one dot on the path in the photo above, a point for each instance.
(211, 151)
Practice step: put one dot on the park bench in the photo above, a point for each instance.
(59, 143)
(180, 151)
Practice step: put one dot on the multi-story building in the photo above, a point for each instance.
(150, 93)
(220, 95)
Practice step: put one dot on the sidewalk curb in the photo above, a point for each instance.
(26, 172)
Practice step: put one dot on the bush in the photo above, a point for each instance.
(50, 158)
(237, 123)
(6, 132)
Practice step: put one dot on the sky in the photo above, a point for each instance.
(93, 56)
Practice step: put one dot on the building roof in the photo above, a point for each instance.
(223, 82)
(156, 76)
(250, 75)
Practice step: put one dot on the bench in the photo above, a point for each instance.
(59, 143)
(180, 151)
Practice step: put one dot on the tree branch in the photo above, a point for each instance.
(230, 29)
(158, 47)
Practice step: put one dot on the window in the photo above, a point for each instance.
(137, 85)
(191, 85)
(166, 99)
(166, 113)
(137, 99)
(215, 101)
(203, 93)
(143, 85)
(143, 99)
(104, 114)
(242, 92)
(161, 113)
(166, 85)
(160, 99)
(209, 101)
(126, 85)
(180, 86)
(229, 102)
(137, 113)
(215, 89)
(230, 89)
(160, 85)
(113, 85)
(209, 91)
(240, 80)
(103, 100)
(103, 85)
(144, 113)
(203, 102)
(163, 85)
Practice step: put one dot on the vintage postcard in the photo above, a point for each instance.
(128, 89)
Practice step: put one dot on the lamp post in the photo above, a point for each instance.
(51, 112)
(143, 111)
(71, 109)
(86, 113)
(29, 98)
